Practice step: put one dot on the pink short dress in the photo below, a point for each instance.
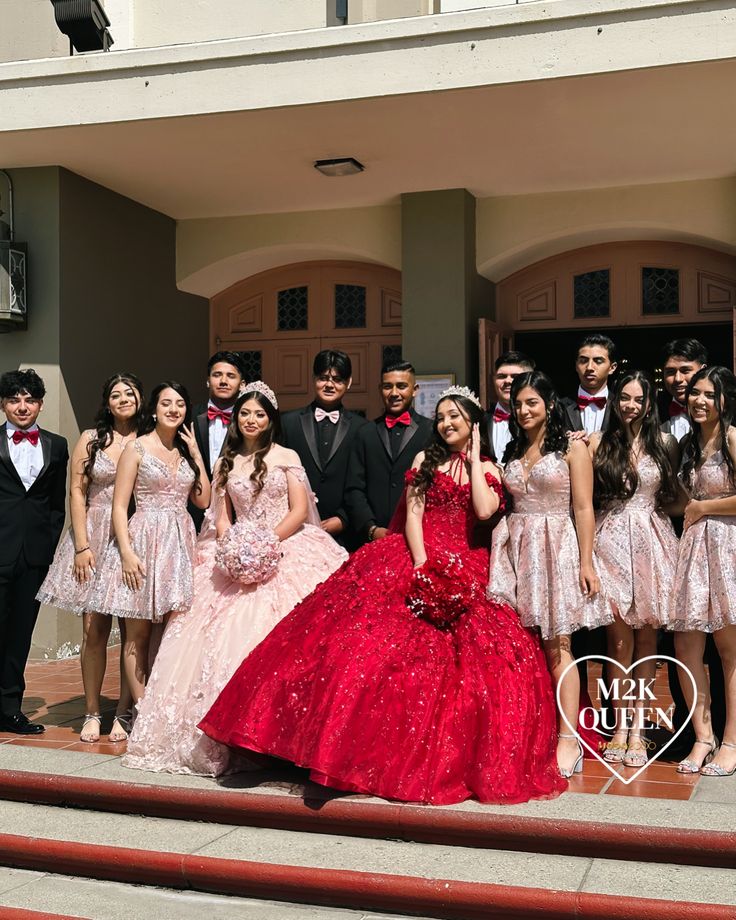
(60, 588)
(535, 560)
(704, 596)
(164, 539)
(636, 551)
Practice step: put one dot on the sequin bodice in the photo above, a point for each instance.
(158, 487)
(645, 496)
(711, 480)
(269, 506)
(449, 520)
(547, 489)
(102, 482)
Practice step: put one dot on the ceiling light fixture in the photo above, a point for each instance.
(342, 166)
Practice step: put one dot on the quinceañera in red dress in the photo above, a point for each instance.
(401, 682)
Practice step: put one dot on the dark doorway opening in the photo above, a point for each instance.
(639, 348)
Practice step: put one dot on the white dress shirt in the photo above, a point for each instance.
(27, 458)
(592, 416)
(677, 425)
(501, 436)
(217, 432)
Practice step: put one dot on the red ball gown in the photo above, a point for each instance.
(372, 698)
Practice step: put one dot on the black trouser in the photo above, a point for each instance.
(19, 584)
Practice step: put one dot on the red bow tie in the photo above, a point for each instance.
(31, 436)
(501, 415)
(403, 419)
(677, 408)
(223, 414)
(585, 401)
(333, 415)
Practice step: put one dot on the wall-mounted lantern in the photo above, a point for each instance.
(85, 23)
(13, 264)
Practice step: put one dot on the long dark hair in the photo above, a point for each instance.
(555, 437)
(614, 475)
(104, 420)
(179, 442)
(234, 440)
(724, 388)
(437, 452)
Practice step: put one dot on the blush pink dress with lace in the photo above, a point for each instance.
(60, 588)
(704, 596)
(636, 550)
(535, 559)
(374, 699)
(201, 649)
(162, 536)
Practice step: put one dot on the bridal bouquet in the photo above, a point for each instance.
(441, 590)
(248, 553)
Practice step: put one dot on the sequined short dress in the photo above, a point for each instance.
(535, 559)
(201, 649)
(60, 588)
(162, 536)
(373, 699)
(704, 596)
(636, 550)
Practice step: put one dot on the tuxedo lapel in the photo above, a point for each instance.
(46, 449)
(343, 426)
(5, 457)
(606, 415)
(574, 414)
(408, 434)
(383, 436)
(309, 435)
(203, 427)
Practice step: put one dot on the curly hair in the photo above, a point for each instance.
(555, 436)
(104, 421)
(724, 388)
(437, 452)
(234, 440)
(614, 474)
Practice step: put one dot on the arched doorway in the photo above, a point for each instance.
(280, 319)
(640, 293)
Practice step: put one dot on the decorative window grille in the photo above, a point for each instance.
(592, 294)
(660, 291)
(349, 306)
(293, 309)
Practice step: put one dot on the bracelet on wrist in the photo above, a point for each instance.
(372, 532)
(84, 549)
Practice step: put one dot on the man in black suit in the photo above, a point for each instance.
(225, 376)
(506, 368)
(322, 433)
(595, 363)
(383, 451)
(33, 466)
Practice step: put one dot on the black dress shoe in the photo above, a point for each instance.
(20, 725)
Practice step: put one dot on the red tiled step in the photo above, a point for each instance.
(692, 847)
(441, 898)
(18, 913)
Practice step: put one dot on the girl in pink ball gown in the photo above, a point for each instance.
(264, 485)
(74, 572)
(634, 466)
(397, 677)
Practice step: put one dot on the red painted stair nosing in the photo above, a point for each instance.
(20, 913)
(425, 824)
(442, 898)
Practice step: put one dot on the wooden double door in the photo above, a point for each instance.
(280, 319)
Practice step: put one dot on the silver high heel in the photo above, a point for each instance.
(577, 767)
(692, 766)
(714, 769)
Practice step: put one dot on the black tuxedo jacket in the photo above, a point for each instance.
(573, 416)
(375, 480)
(328, 482)
(31, 521)
(202, 435)
(489, 430)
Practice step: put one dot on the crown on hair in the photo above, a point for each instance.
(258, 386)
(459, 391)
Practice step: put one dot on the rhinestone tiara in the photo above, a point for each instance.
(459, 391)
(258, 386)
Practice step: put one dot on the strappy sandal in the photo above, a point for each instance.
(577, 767)
(637, 756)
(88, 718)
(715, 769)
(615, 752)
(124, 723)
(692, 766)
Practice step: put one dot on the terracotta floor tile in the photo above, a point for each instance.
(583, 783)
(102, 747)
(38, 742)
(645, 790)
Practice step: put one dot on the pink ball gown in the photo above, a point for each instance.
(374, 699)
(704, 595)
(201, 649)
(60, 588)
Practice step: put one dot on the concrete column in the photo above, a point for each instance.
(443, 295)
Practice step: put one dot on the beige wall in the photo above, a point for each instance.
(215, 253)
(28, 31)
(374, 10)
(517, 231)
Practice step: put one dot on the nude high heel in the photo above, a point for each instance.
(577, 767)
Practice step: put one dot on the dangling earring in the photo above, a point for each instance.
(154, 417)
